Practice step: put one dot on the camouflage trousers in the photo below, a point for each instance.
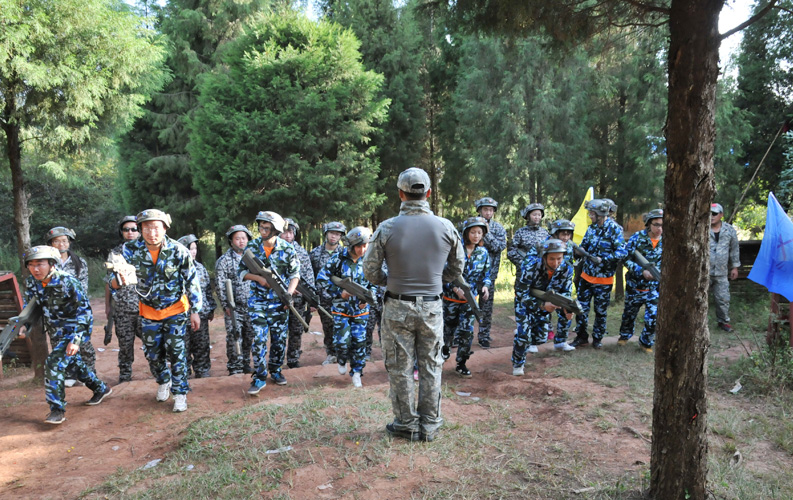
(635, 299)
(349, 340)
(414, 331)
(296, 330)
(486, 307)
(562, 327)
(197, 348)
(54, 374)
(375, 320)
(720, 291)
(238, 363)
(327, 329)
(164, 343)
(88, 354)
(458, 321)
(601, 295)
(269, 319)
(533, 325)
(127, 328)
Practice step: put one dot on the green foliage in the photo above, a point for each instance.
(285, 123)
(733, 133)
(785, 192)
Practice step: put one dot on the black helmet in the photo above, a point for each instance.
(658, 213)
(237, 228)
(486, 202)
(59, 231)
(334, 226)
(187, 240)
(124, 220)
(552, 245)
(531, 207)
(472, 222)
(612, 205)
(561, 225)
(600, 207)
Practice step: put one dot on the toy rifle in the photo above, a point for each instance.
(569, 305)
(233, 306)
(469, 297)
(354, 289)
(577, 250)
(110, 321)
(647, 265)
(311, 297)
(26, 318)
(276, 284)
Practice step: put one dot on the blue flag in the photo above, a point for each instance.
(773, 267)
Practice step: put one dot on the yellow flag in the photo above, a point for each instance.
(581, 218)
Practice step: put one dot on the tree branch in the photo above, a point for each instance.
(762, 12)
(648, 7)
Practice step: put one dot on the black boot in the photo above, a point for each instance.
(462, 370)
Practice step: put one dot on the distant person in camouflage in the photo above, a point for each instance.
(375, 316)
(563, 229)
(67, 318)
(170, 295)
(227, 268)
(198, 363)
(296, 328)
(422, 251)
(725, 259)
(548, 271)
(61, 238)
(350, 313)
(528, 236)
(125, 307)
(641, 288)
(458, 318)
(269, 315)
(495, 241)
(319, 255)
(603, 239)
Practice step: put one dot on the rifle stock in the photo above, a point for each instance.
(569, 305)
(29, 314)
(233, 307)
(311, 298)
(647, 265)
(360, 292)
(275, 282)
(110, 321)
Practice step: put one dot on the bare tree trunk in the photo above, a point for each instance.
(679, 462)
(21, 210)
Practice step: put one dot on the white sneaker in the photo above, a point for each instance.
(179, 403)
(563, 346)
(69, 382)
(356, 380)
(533, 349)
(342, 368)
(164, 392)
(330, 359)
(517, 371)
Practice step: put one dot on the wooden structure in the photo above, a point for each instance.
(780, 326)
(11, 305)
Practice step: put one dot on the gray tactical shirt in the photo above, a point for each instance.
(724, 255)
(416, 245)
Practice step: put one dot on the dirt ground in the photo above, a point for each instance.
(130, 428)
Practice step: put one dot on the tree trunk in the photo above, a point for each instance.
(679, 462)
(21, 211)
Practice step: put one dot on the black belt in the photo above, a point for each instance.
(412, 298)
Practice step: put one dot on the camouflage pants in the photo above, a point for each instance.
(327, 329)
(197, 348)
(533, 325)
(88, 354)
(127, 328)
(375, 320)
(237, 363)
(349, 340)
(269, 319)
(163, 343)
(458, 321)
(562, 327)
(487, 315)
(633, 301)
(54, 369)
(720, 290)
(601, 295)
(296, 330)
(414, 330)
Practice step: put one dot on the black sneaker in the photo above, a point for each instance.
(462, 370)
(404, 434)
(55, 417)
(99, 396)
(446, 352)
(293, 364)
(485, 344)
(596, 344)
(247, 369)
(278, 378)
(579, 342)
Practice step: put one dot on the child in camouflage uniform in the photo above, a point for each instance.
(495, 241)
(458, 318)
(319, 255)
(197, 342)
(296, 328)
(67, 318)
(529, 235)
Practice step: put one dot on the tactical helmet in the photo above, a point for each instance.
(600, 207)
(124, 220)
(552, 245)
(187, 240)
(59, 231)
(562, 225)
(474, 221)
(237, 228)
(154, 214)
(291, 222)
(612, 205)
(658, 213)
(42, 252)
(334, 226)
(486, 202)
(273, 218)
(358, 235)
(531, 207)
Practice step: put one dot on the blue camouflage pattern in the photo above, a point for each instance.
(295, 340)
(198, 362)
(495, 241)
(227, 267)
(319, 256)
(164, 343)
(458, 318)
(640, 291)
(524, 240)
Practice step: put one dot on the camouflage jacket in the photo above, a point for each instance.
(476, 272)
(342, 266)
(163, 283)
(606, 242)
(283, 259)
(641, 241)
(227, 268)
(525, 239)
(209, 303)
(495, 241)
(319, 257)
(533, 274)
(725, 254)
(125, 298)
(306, 267)
(69, 267)
(65, 306)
